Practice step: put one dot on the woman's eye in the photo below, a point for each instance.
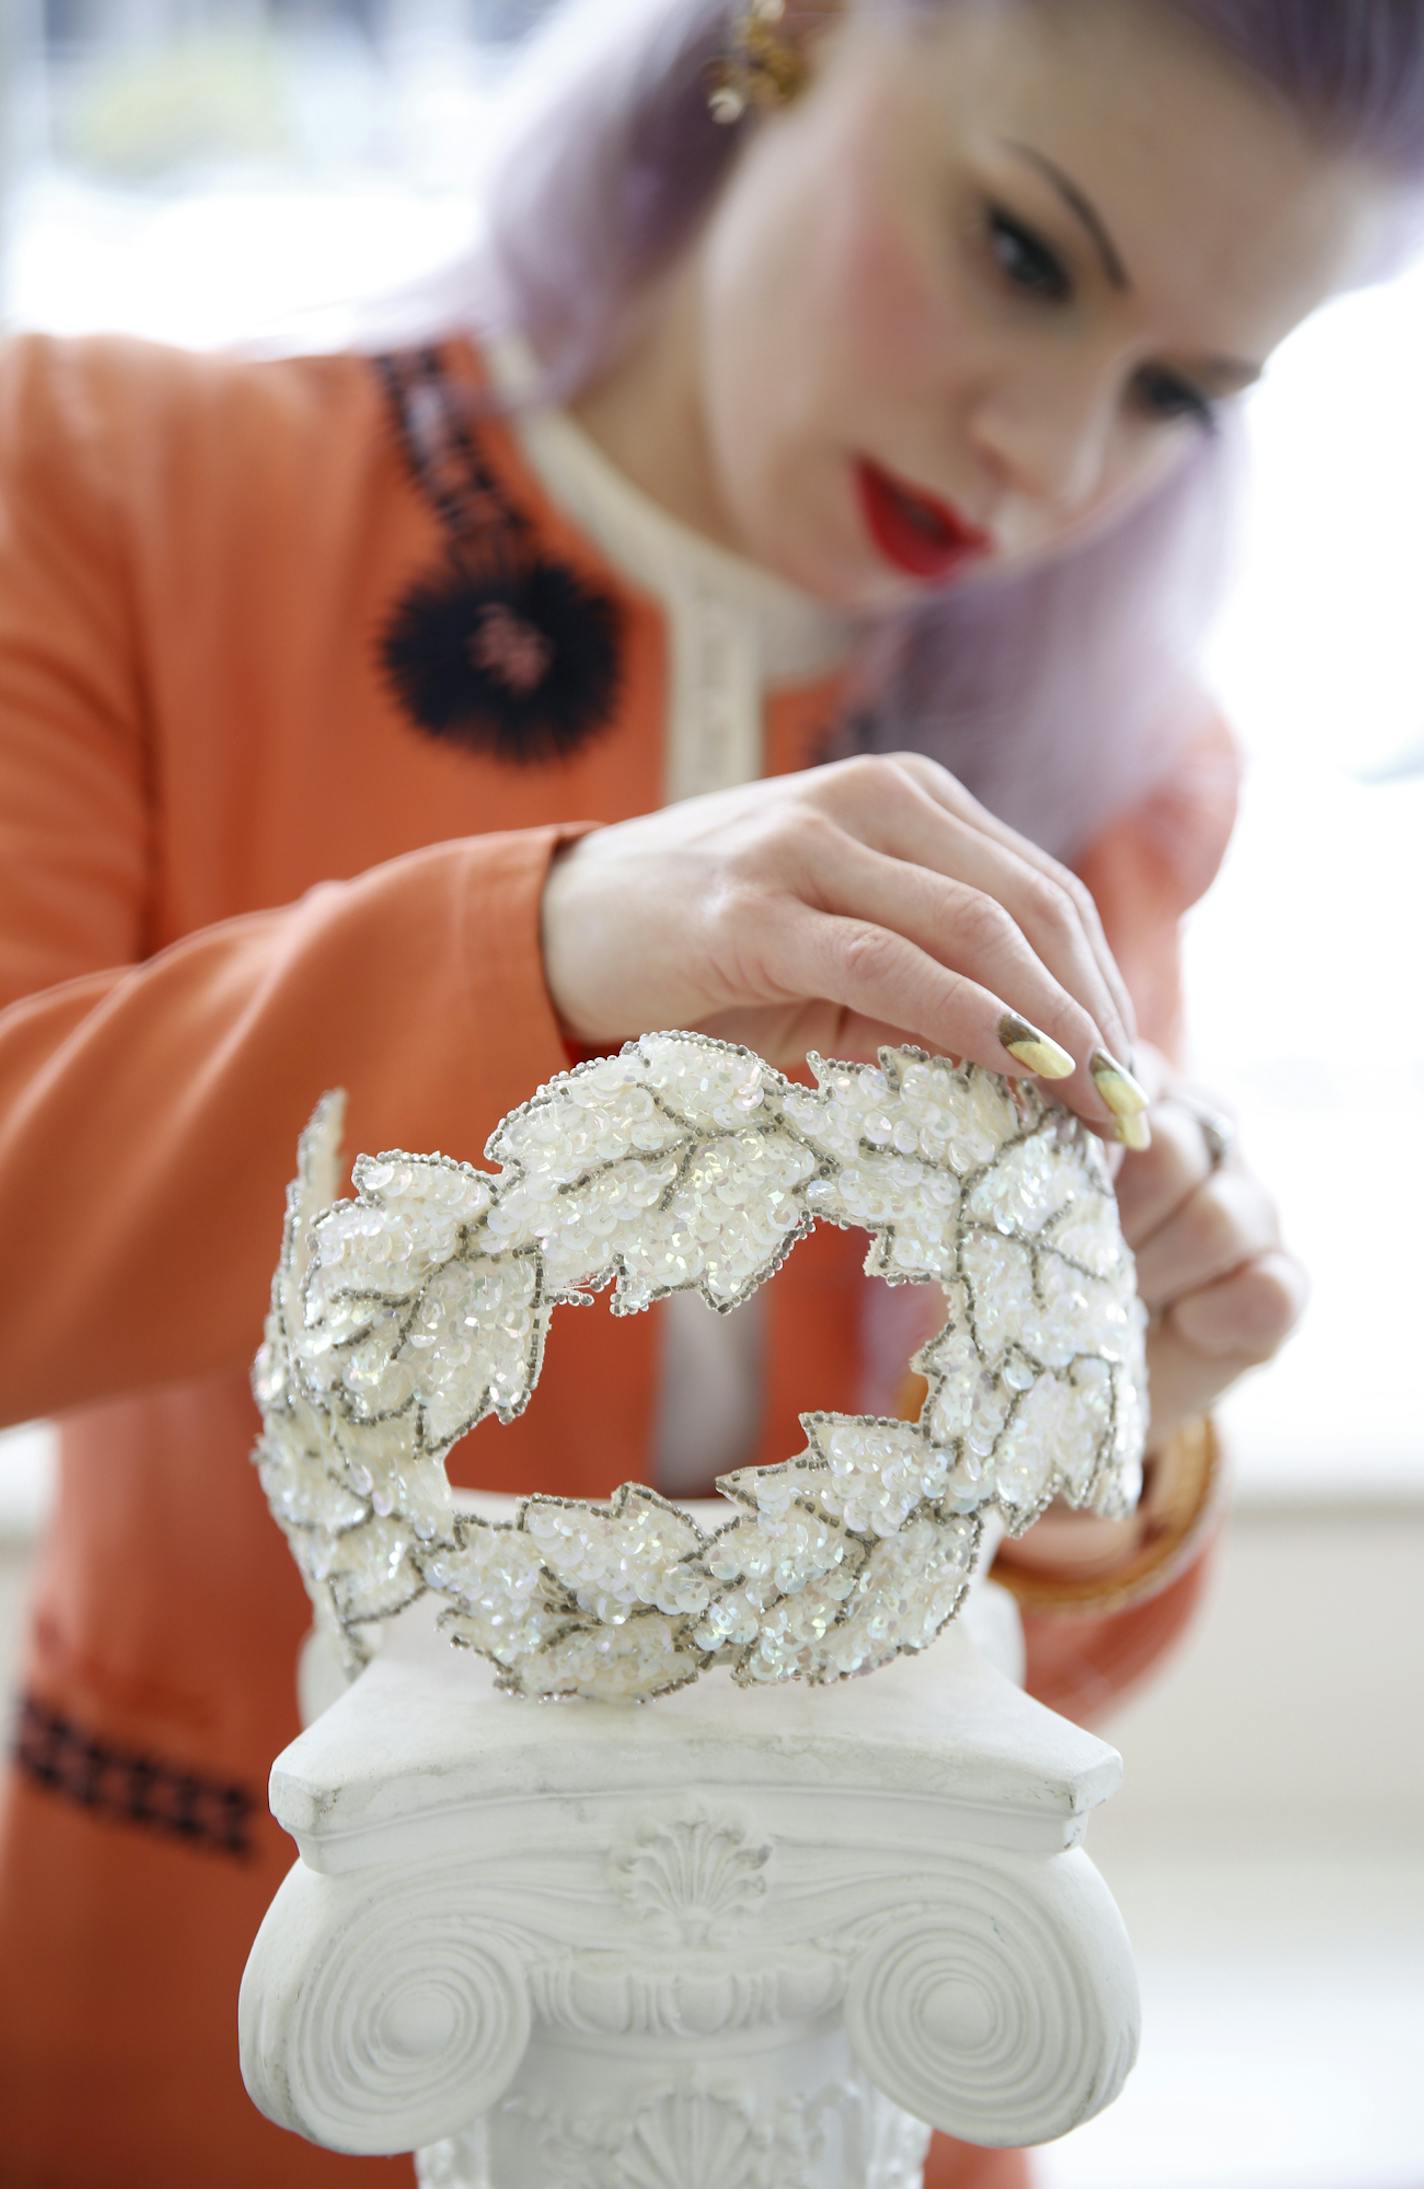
(1027, 261)
(1174, 399)
(1031, 266)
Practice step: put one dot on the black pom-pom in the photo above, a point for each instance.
(521, 663)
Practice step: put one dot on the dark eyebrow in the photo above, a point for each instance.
(1232, 370)
(1086, 211)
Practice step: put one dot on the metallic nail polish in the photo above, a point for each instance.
(1037, 1050)
(1134, 1132)
(1124, 1095)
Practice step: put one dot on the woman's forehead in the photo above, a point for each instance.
(1181, 176)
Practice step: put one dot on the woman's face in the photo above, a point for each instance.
(1004, 253)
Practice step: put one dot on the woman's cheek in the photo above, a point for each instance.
(890, 304)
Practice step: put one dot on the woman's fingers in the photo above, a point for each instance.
(1208, 1341)
(1247, 1315)
(1228, 1221)
(885, 978)
(948, 791)
(852, 887)
(971, 933)
(1056, 908)
(1155, 1186)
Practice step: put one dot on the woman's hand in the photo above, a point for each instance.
(870, 900)
(1222, 1296)
(1222, 1292)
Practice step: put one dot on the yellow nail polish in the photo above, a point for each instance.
(1123, 1094)
(1037, 1050)
(1134, 1132)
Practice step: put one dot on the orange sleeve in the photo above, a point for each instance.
(150, 1103)
(1145, 871)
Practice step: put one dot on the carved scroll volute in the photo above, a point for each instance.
(377, 2016)
(1002, 2008)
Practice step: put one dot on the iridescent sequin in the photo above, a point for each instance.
(402, 1317)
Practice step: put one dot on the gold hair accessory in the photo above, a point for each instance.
(765, 67)
(406, 1315)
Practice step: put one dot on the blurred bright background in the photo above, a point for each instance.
(202, 170)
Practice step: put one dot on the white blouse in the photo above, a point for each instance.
(735, 631)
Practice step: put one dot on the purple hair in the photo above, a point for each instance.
(1058, 696)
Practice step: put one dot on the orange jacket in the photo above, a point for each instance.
(236, 869)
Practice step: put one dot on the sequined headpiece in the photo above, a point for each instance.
(404, 1316)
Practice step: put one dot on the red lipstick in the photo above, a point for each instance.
(922, 536)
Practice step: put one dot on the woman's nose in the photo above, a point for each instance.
(1049, 444)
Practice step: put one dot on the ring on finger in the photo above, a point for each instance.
(1217, 1132)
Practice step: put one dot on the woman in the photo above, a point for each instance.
(372, 720)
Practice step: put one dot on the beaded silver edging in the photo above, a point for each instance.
(401, 1317)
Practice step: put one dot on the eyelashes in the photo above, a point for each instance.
(1034, 270)
(1027, 250)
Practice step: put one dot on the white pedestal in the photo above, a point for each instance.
(732, 1939)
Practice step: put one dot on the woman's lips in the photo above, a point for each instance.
(920, 535)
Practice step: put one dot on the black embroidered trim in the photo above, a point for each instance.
(445, 464)
(501, 648)
(127, 1783)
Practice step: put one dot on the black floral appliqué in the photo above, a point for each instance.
(502, 648)
(523, 663)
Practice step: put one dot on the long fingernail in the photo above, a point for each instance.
(1123, 1094)
(1134, 1132)
(1037, 1050)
